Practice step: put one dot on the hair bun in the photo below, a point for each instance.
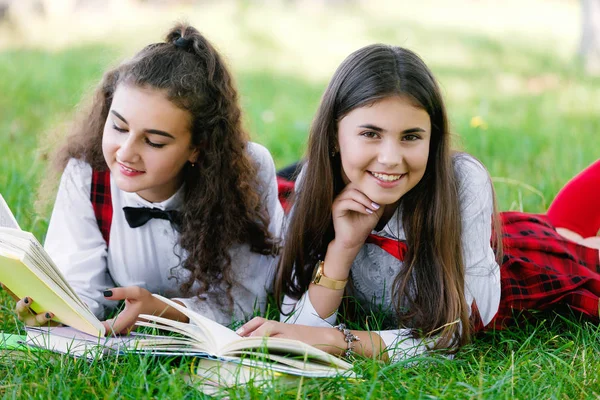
(183, 43)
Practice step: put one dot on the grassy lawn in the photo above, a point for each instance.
(538, 125)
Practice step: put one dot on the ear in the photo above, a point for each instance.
(193, 158)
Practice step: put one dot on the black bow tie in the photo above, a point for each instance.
(139, 216)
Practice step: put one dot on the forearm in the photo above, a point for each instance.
(336, 265)
(333, 342)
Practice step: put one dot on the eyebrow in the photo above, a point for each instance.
(151, 131)
(378, 129)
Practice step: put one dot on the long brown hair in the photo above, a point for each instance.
(221, 205)
(429, 291)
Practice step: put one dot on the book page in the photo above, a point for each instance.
(288, 347)
(7, 219)
(68, 340)
(229, 343)
(217, 335)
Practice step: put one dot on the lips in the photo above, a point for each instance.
(387, 177)
(129, 171)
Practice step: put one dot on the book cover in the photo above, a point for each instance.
(27, 270)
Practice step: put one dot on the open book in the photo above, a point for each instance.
(27, 270)
(203, 338)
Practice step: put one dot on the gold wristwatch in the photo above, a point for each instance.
(320, 279)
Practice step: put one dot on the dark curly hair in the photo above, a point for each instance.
(222, 206)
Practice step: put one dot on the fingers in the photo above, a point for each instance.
(30, 318)
(269, 328)
(258, 327)
(355, 200)
(250, 326)
(23, 308)
(123, 323)
(43, 318)
(122, 293)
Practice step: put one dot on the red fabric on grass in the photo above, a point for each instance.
(540, 271)
(577, 206)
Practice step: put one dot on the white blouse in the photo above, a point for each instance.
(373, 270)
(149, 256)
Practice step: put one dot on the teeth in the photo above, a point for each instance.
(128, 169)
(386, 177)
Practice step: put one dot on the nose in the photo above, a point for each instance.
(390, 153)
(127, 151)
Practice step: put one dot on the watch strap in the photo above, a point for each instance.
(320, 279)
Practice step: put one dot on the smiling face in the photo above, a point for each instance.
(147, 142)
(384, 148)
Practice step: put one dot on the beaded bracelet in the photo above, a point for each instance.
(349, 338)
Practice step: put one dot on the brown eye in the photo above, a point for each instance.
(370, 134)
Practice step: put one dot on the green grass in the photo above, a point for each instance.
(541, 127)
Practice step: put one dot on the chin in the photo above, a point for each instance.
(127, 186)
(383, 199)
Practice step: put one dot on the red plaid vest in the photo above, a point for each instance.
(101, 202)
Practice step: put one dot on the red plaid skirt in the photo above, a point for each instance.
(542, 270)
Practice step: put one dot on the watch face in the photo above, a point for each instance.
(317, 272)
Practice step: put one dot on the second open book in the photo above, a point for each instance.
(201, 337)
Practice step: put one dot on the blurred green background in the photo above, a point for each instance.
(519, 98)
(516, 92)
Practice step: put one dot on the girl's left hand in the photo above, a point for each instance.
(137, 301)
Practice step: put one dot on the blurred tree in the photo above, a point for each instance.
(589, 47)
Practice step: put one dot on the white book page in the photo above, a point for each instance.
(230, 343)
(217, 335)
(191, 332)
(283, 346)
(7, 219)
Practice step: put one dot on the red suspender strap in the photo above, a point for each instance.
(285, 190)
(101, 201)
(397, 248)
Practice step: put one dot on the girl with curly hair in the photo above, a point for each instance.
(388, 215)
(163, 193)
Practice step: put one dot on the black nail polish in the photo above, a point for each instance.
(26, 300)
(108, 293)
(48, 316)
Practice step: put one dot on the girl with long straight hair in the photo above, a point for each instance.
(388, 215)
